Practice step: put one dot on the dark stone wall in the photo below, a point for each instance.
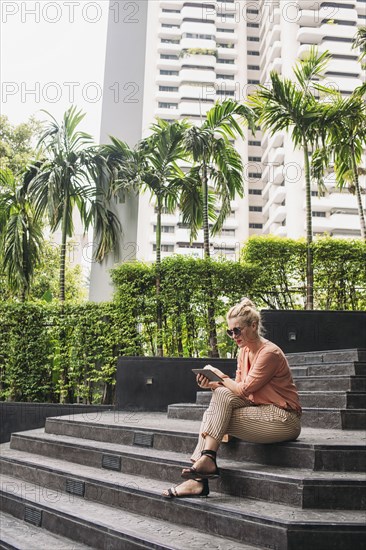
(315, 330)
(153, 383)
(18, 417)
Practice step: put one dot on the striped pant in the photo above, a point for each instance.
(230, 414)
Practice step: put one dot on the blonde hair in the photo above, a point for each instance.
(247, 313)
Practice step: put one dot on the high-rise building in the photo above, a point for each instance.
(173, 59)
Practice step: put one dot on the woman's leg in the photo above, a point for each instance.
(264, 424)
(215, 423)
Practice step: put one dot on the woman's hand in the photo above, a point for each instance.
(204, 382)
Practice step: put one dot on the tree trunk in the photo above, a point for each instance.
(63, 247)
(212, 339)
(309, 233)
(159, 311)
(358, 195)
(206, 230)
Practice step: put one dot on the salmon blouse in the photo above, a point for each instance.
(268, 380)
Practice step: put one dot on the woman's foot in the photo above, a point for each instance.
(205, 467)
(189, 488)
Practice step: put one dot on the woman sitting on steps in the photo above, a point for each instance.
(260, 406)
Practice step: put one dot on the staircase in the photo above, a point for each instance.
(96, 481)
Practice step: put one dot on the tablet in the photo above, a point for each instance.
(212, 377)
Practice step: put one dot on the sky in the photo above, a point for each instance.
(52, 55)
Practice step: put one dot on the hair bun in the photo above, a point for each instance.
(245, 302)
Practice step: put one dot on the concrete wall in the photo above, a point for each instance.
(18, 417)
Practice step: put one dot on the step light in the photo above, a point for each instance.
(33, 516)
(75, 487)
(111, 462)
(143, 439)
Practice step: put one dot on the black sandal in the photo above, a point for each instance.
(172, 491)
(193, 473)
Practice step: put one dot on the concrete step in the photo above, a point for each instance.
(293, 487)
(114, 527)
(316, 448)
(341, 419)
(331, 383)
(330, 400)
(21, 535)
(355, 368)
(115, 506)
(330, 356)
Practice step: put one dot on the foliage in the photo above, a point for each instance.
(46, 281)
(32, 360)
(20, 233)
(281, 264)
(74, 174)
(16, 144)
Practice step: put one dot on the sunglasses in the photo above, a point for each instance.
(234, 332)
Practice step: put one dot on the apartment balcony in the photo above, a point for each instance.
(202, 60)
(227, 37)
(198, 28)
(206, 13)
(170, 18)
(191, 108)
(227, 53)
(277, 216)
(197, 92)
(308, 18)
(197, 43)
(197, 76)
(316, 35)
(173, 64)
(343, 84)
(340, 14)
(274, 35)
(167, 96)
(169, 48)
(277, 197)
(174, 33)
(167, 112)
(172, 4)
(269, 142)
(167, 80)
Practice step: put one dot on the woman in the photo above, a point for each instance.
(261, 405)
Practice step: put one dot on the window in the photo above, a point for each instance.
(225, 76)
(166, 105)
(196, 35)
(168, 56)
(196, 20)
(255, 159)
(337, 39)
(336, 73)
(166, 228)
(254, 67)
(169, 41)
(225, 30)
(165, 247)
(255, 209)
(253, 38)
(253, 52)
(314, 194)
(251, 142)
(256, 225)
(222, 45)
(227, 61)
(253, 25)
(166, 10)
(225, 92)
(251, 81)
(255, 191)
(228, 232)
(318, 214)
(168, 88)
(188, 245)
(255, 175)
(256, 12)
(169, 26)
(170, 73)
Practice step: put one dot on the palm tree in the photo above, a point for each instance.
(20, 232)
(217, 164)
(292, 105)
(345, 143)
(160, 175)
(73, 175)
(360, 41)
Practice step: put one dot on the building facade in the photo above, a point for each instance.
(174, 59)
